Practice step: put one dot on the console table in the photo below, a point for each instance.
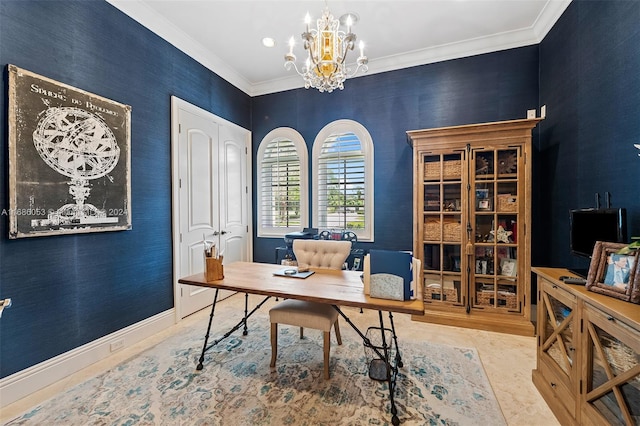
(588, 353)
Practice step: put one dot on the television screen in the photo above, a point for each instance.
(590, 225)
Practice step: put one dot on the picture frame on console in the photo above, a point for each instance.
(613, 274)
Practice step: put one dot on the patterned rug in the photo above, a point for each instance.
(438, 385)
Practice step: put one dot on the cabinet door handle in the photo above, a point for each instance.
(610, 318)
(553, 385)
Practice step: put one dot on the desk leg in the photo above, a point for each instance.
(242, 322)
(206, 336)
(392, 369)
(245, 331)
(395, 340)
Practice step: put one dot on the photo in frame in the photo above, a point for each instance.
(69, 159)
(509, 267)
(483, 199)
(613, 274)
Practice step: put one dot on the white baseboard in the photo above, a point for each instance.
(32, 379)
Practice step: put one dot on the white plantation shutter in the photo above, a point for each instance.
(341, 173)
(343, 179)
(282, 199)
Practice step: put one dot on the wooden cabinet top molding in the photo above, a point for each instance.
(494, 131)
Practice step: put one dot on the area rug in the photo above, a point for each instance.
(438, 385)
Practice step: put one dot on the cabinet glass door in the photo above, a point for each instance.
(495, 269)
(557, 330)
(613, 369)
(442, 227)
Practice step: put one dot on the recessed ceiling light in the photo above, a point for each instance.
(268, 42)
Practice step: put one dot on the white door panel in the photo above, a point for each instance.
(200, 181)
(233, 193)
(212, 196)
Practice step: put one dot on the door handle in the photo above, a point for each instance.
(215, 233)
(223, 232)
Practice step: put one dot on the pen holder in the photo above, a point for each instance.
(213, 268)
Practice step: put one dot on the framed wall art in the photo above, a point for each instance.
(69, 159)
(613, 274)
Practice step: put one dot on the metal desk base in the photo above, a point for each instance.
(383, 352)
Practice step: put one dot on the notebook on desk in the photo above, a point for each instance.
(293, 273)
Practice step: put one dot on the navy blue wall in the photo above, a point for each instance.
(491, 87)
(590, 81)
(70, 290)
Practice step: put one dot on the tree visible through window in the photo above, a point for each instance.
(343, 176)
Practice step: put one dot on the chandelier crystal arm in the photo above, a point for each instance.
(327, 48)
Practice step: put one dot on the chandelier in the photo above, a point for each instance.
(327, 49)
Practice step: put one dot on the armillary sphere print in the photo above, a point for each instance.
(76, 143)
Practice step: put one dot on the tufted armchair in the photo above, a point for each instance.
(313, 254)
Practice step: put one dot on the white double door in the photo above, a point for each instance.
(211, 177)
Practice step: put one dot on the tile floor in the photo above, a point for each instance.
(507, 359)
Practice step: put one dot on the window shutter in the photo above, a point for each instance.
(280, 185)
(341, 183)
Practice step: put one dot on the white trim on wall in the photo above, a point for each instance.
(39, 376)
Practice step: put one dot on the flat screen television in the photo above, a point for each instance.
(590, 225)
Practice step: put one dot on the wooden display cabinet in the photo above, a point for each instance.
(588, 356)
(472, 205)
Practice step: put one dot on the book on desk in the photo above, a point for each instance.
(293, 273)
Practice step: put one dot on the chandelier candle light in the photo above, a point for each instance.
(327, 47)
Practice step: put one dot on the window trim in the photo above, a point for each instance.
(301, 150)
(344, 126)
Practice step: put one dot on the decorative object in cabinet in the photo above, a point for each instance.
(472, 200)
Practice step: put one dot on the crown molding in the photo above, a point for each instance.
(494, 43)
(157, 24)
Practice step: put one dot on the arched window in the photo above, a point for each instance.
(343, 179)
(282, 183)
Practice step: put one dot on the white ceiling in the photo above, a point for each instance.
(226, 35)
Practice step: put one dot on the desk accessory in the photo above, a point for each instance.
(213, 268)
(573, 280)
(293, 273)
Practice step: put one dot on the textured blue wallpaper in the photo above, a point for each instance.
(70, 290)
(491, 87)
(590, 82)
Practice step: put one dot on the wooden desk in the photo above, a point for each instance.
(336, 288)
(343, 288)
